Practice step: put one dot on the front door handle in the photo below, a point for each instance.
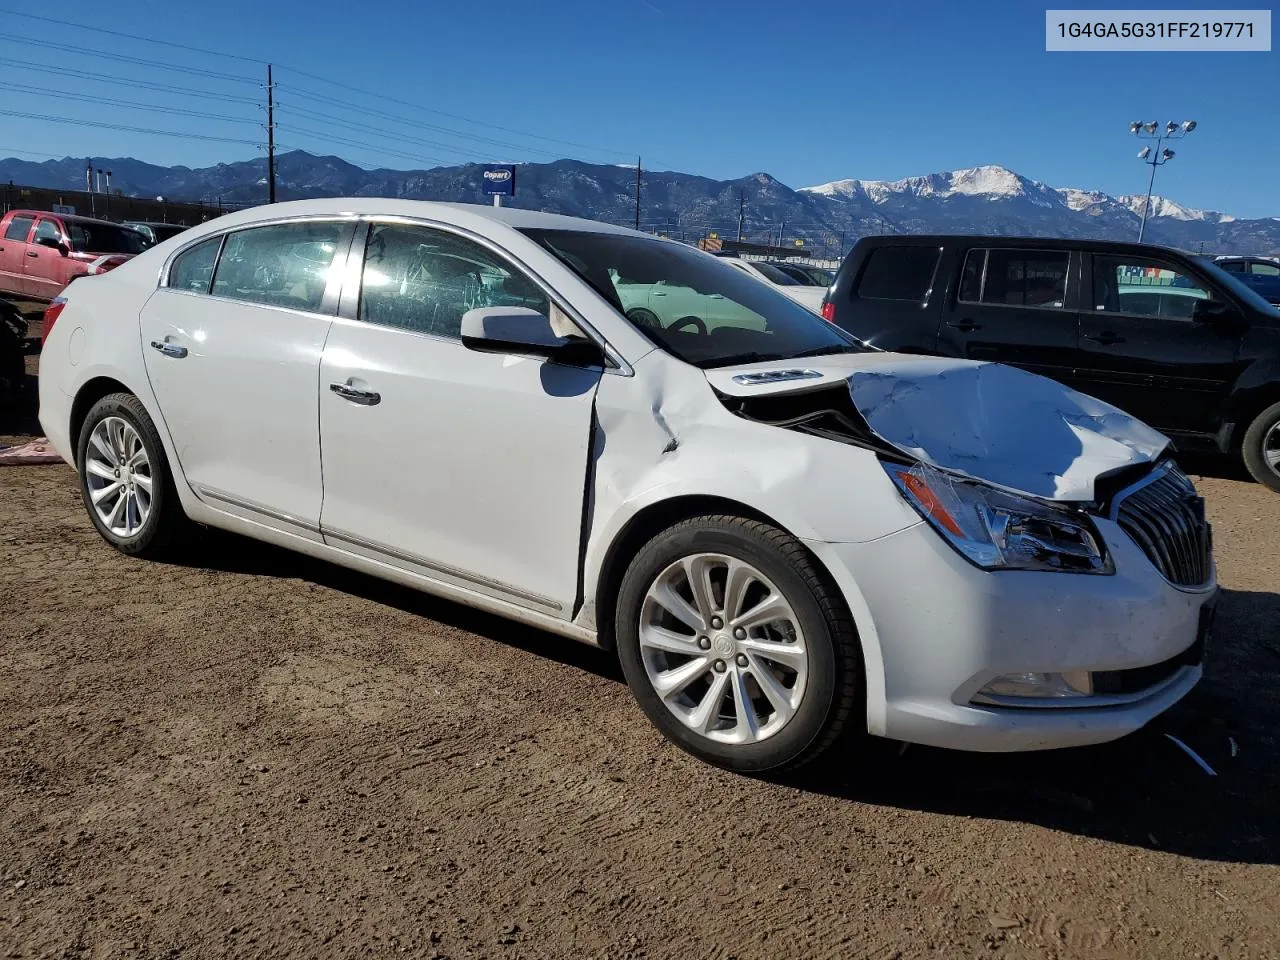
(170, 349)
(1106, 338)
(347, 392)
(32, 253)
(964, 326)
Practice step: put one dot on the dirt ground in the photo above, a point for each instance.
(259, 755)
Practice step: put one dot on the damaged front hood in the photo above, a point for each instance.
(986, 421)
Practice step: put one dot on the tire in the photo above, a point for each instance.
(646, 319)
(819, 634)
(151, 527)
(1261, 447)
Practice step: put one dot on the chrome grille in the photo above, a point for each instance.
(1165, 517)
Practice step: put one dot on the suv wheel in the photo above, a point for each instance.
(736, 645)
(1261, 447)
(125, 479)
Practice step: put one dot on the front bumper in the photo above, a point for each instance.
(936, 630)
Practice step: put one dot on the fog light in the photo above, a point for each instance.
(1040, 686)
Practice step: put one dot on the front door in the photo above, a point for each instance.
(13, 255)
(1015, 306)
(47, 270)
(468, 468)
(233, 354)
(1142, 350)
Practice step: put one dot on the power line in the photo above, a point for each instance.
(330, 138)
(141, 61)
(125, 81)
(174, 111)
(367, 128)
(130, 36)
(127, 129)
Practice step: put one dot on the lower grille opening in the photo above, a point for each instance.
(1138, 679)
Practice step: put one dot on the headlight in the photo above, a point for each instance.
(998, 530)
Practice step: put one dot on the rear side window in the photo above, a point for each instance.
(1233, 266)
(1019, 278)
(285, 265)
(193, 268)
(1265, 269)
(18, 228)
(89, 236)
(898, 273)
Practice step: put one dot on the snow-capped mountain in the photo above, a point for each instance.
(985, 200)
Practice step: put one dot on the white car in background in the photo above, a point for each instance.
(785, 537)
(805, 294)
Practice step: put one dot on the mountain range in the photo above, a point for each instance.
(988, 200)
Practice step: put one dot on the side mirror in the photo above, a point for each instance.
(1212, 311)
(53, 242)
(521, 330)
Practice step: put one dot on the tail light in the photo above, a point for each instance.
(829, 312)
(51, 314)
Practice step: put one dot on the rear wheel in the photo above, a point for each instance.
(125, 480)
(1261, 447)
(736, 646)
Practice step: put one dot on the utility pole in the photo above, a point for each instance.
(742, 203)
(841, 257)
(781, 231)
(271, 138)
(637, 193)
(1150, 130)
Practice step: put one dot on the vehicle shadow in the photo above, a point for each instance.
(19, 409)
(1141, 791)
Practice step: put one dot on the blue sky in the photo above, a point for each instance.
(808, 93)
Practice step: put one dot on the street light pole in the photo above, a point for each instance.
(1157, 157)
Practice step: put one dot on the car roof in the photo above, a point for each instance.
(64, 217)
(1052, 243)
(462, 214)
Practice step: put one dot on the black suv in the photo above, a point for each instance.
(1168, 337)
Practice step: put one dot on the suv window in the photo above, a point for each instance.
(47, 230)
(1021, 278)
(285, 265)
(1233, 266)
(88, 236)
(18, 228)
(1264, 269)
(898, 273)
(424, 280)
(1144, 287)
(193, 268)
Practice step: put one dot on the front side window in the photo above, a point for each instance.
(284, 265)
(424, 280)
(89, 236)
(898, 273)
(193, 268)
(696, 307)
(1233, 266)
(47, 230)
(1144, 287)
(1016, 278)
(18, 228)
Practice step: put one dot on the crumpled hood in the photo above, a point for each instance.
(983, 420)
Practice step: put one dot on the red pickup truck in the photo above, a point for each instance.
(40, 253)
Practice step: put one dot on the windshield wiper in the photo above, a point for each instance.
(736, 358)
(829, 349)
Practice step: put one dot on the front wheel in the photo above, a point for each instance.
(1261, 447)
(736, 646)
(125, 480)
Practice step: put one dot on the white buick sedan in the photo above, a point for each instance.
(784, 536)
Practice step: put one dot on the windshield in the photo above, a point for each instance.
(775, 275)
(823, 278)
(692, 305)
(90, 237)
(1237, 286)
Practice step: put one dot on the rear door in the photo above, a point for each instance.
(1017, 306)
(1142, 350)
(233, 355)
(13, 254)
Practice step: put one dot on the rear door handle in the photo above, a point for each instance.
(964, 326)
(347, 392)
(170, 349)
(1106, 338)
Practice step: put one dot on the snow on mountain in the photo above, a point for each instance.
(1164, 207)
(985, 181)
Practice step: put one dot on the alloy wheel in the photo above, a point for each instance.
(722, 648)
(1271, 449)
(118, 475)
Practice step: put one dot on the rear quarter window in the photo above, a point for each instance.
(898, 273)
